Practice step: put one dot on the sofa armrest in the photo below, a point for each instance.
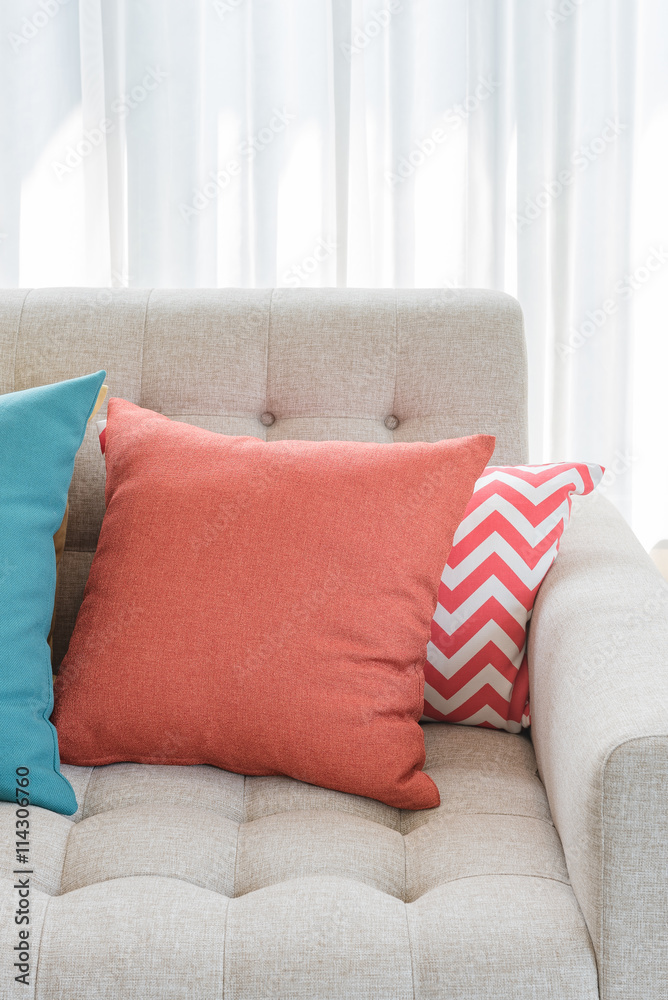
(598, 659)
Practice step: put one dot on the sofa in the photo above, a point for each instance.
(543, 874)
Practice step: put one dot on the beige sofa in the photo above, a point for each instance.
(543, 875)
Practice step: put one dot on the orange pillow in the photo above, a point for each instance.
(289, 637)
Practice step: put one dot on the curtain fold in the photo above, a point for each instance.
(519, 145)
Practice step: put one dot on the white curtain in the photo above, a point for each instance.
(512, 144)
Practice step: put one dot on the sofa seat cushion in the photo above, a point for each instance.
(194, 882)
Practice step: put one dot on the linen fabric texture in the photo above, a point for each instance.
(41, 430)
(476, 671)
(290, 639)
(195, 883)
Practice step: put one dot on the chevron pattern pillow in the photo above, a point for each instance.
(476, 671)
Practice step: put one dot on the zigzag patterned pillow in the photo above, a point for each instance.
(476, 671)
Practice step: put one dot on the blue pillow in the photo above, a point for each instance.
(40, 433)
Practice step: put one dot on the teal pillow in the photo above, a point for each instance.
(40, 433)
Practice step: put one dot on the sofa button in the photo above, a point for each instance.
(391, 422)
(267, 419)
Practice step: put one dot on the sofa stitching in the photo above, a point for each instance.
(372, 418)
(270, 885)
(342, 812)
(242, 823)
(143, 345)
(408, 926)
(158, 804)
(266, 355)
(257, 819)
(459, 812)
(39, 947)
(292, 416)
(311, 416)
(146, 874)
(297, 813)
(338, 877)
(227, 917)
(85, 795)
(18, 332)
(64, 864)
(598, 945)
(319, 809)
(405, 868)
(464, 878)
(216, 811)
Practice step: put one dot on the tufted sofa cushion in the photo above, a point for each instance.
(178, 882)
(346, 364)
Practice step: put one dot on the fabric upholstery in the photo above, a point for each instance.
(598, 653)
(446, 362)
(193, 882)
(598, 656)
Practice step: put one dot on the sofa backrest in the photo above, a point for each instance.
(368, 365)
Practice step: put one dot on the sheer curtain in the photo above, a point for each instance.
(519, 145)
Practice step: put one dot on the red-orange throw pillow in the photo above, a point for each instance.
(264, 607)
